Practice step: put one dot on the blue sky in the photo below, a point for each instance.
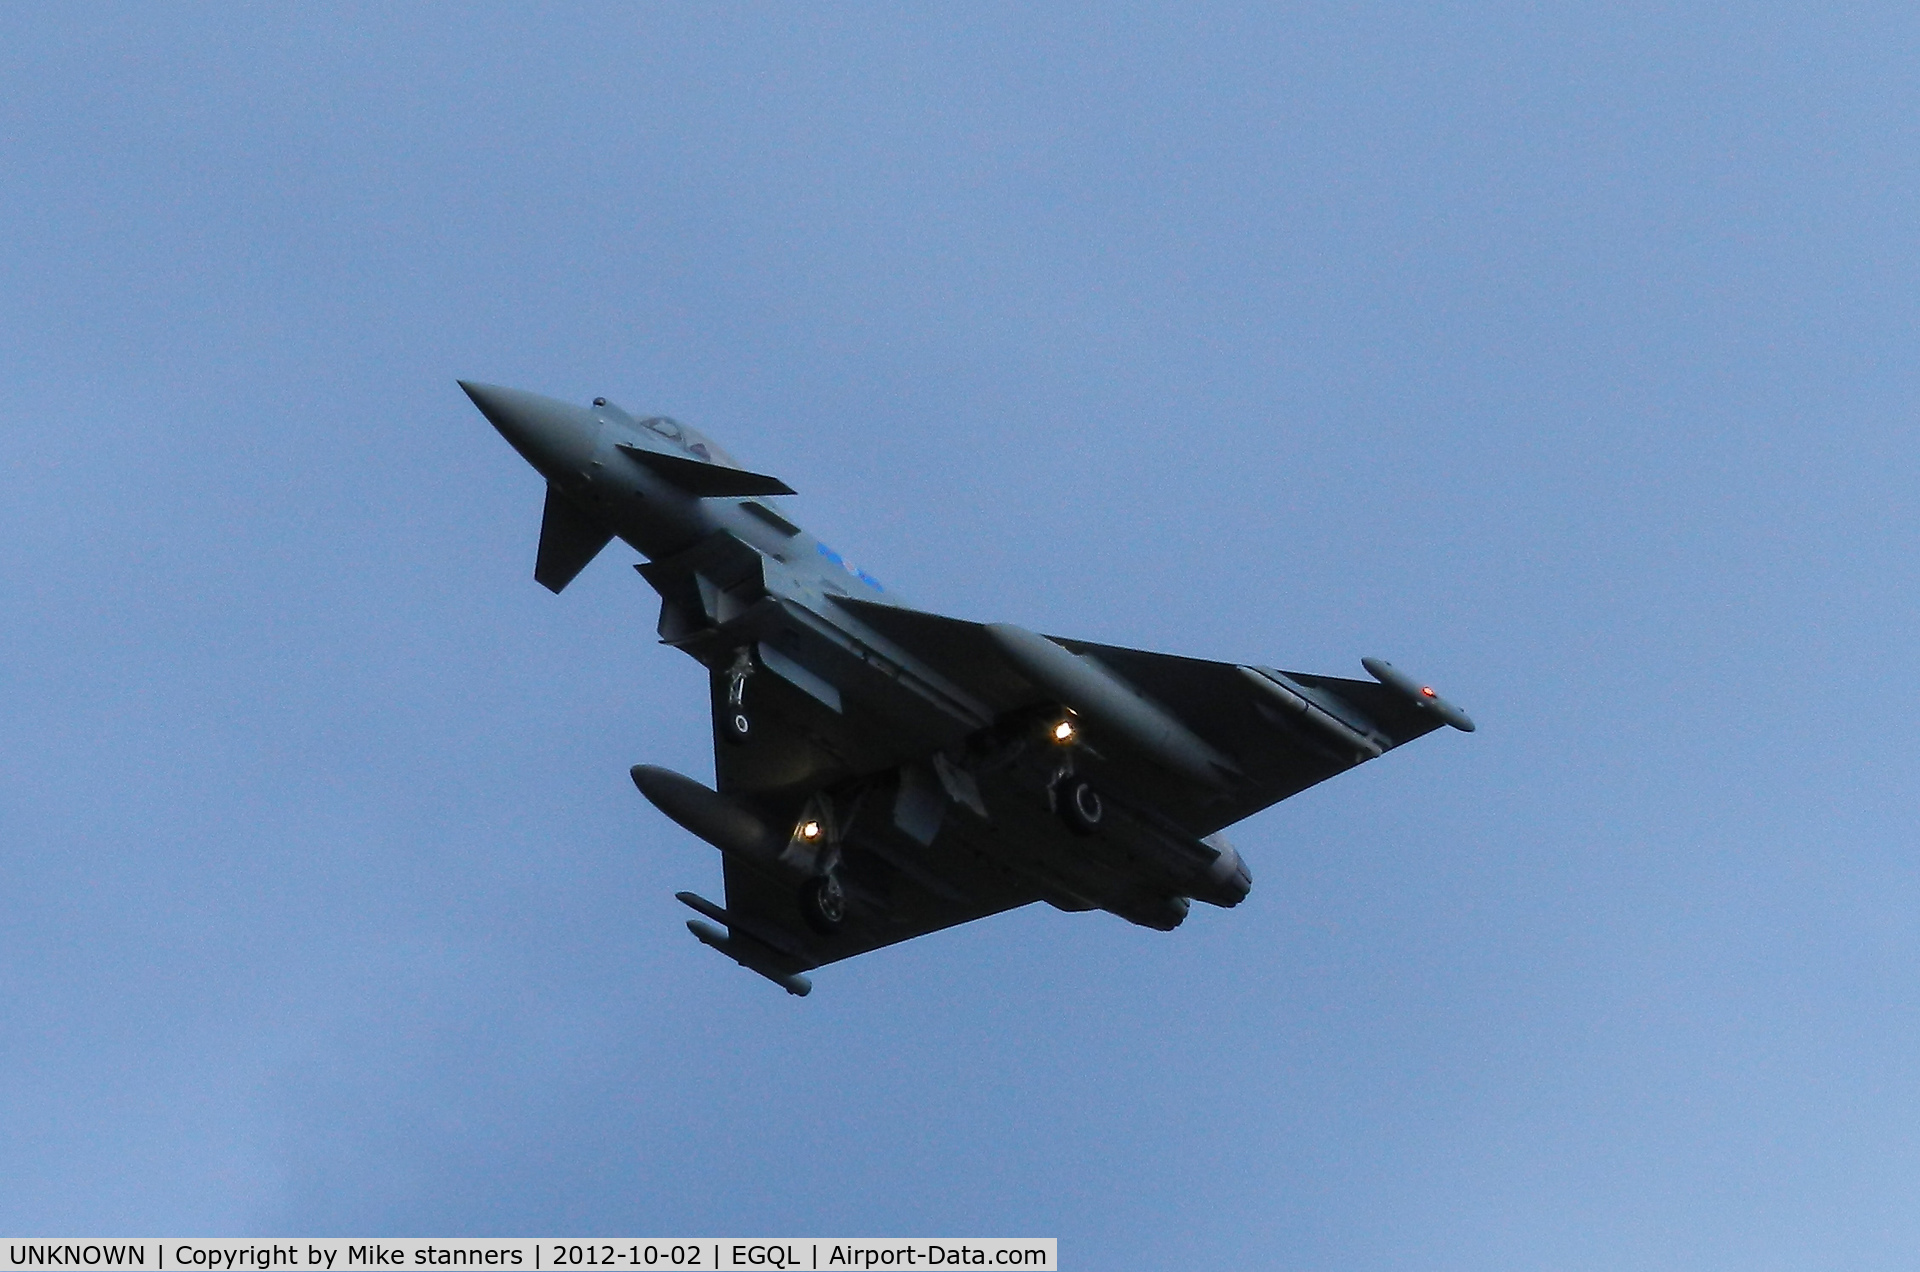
(1566, 358)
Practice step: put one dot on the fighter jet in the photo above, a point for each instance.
(882, 772)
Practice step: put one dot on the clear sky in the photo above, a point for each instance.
(1565, 357)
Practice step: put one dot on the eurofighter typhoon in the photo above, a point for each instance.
(884, 772)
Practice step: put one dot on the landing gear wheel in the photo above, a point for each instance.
(735, 727)
(823, 904)
(1079, 805)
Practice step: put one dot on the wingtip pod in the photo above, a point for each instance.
(1422, 696)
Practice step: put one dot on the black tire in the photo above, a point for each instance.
(1079, 805)
(823, 904)
(735, 726)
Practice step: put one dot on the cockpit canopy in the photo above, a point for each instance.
(690, 440)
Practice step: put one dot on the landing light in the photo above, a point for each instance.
(1065, 731)
(810, 831)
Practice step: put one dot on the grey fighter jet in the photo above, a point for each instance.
(884, 772)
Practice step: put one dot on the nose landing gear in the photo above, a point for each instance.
(736, 726)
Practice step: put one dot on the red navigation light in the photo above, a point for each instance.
(1427, 691)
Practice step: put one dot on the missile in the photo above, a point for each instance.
(1420, 695)
(711, 936)
(1280, 688)
(710, 815)
(1110, 703)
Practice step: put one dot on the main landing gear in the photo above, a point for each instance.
(1078, 804)
(823, 904)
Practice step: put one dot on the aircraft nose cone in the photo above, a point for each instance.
(555, 437)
